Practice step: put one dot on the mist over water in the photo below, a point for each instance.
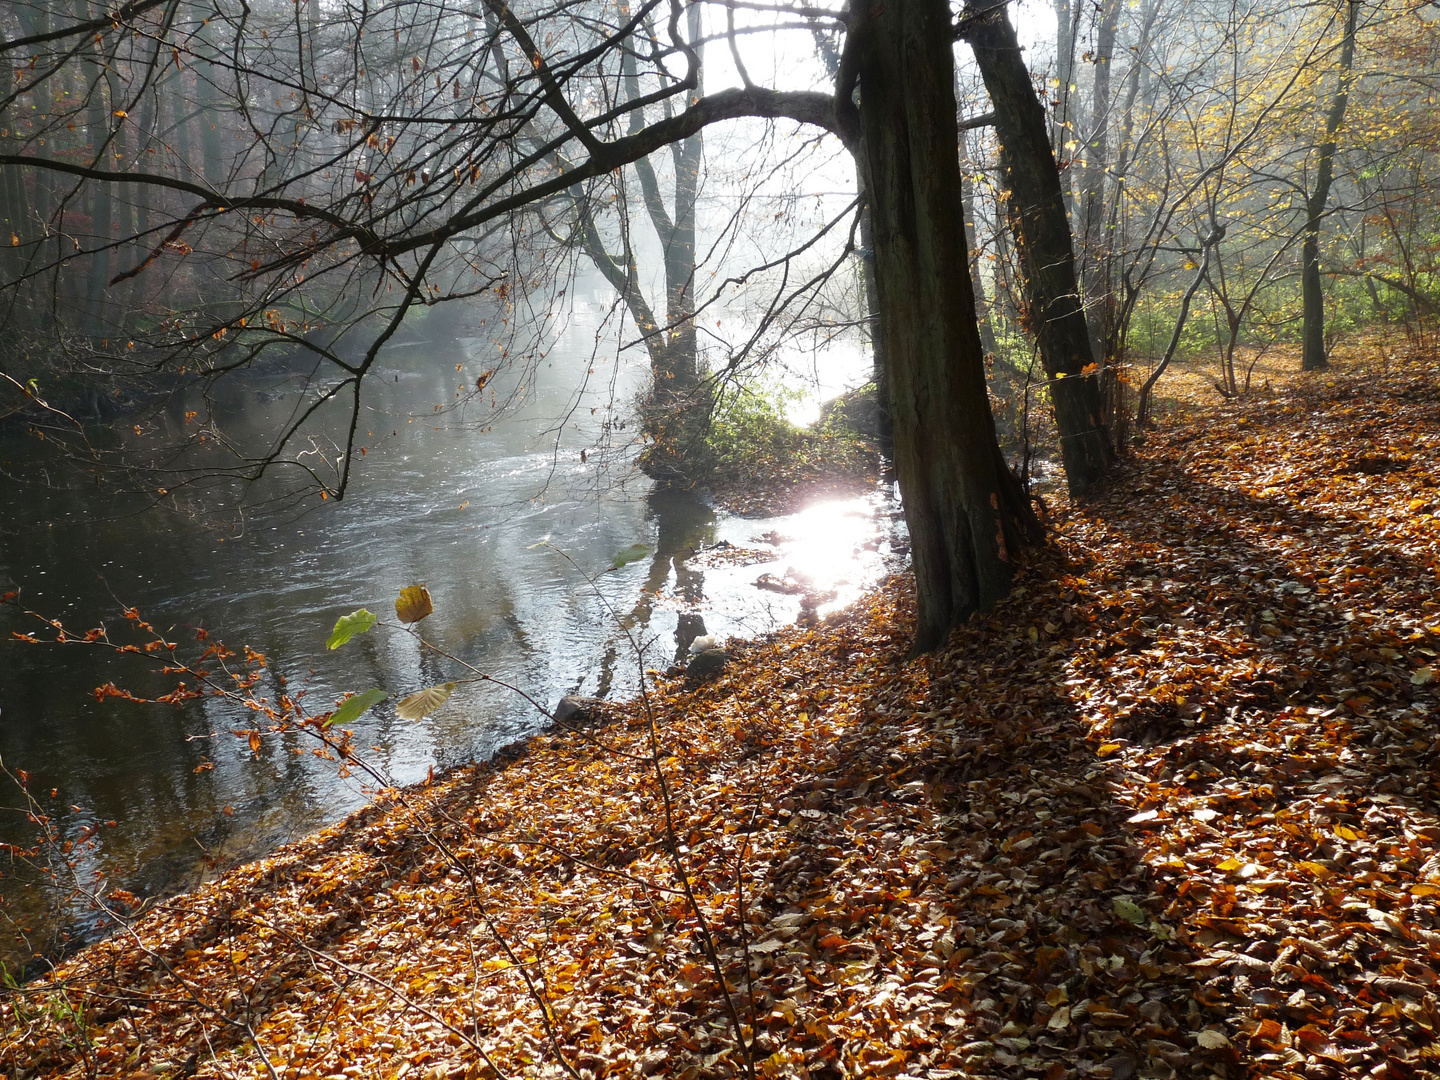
(475, 508)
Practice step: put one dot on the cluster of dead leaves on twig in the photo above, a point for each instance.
(1170, 811)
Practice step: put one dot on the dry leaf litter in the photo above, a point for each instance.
(1169, 811)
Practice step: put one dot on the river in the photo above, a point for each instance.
(156, 797)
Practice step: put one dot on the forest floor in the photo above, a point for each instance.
(1171, 810)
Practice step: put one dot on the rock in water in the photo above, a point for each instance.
(705, 665)
(577, 711)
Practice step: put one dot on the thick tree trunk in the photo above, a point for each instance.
(678, 412)
(1312, 332)
(967, 514)
(676, 369)
(1037, 211)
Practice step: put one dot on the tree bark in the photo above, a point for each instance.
(1312, 332)
(967, 514)
(688, 156)
(1042, 237)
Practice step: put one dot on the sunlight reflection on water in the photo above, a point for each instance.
(752, 576)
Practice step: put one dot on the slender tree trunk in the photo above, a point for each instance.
(1064, 115)
(1117, 317)
(1037, 211)
(208, 96)
(977, 283)
(144, 159)
(623, 275)
(1094, 241)
(1142, 408)
(967, 513)
(123, 214)
(37, 21)
(97, 130)
(13, 223)
(182, 107)
(1312, 333)
(1005, 263)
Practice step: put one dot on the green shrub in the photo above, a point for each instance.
(749, 434)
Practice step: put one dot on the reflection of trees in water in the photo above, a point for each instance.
(683, 524)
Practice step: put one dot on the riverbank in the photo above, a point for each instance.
(1173, 809)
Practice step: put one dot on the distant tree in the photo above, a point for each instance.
(1312, 334)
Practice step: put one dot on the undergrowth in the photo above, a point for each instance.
(757, 461)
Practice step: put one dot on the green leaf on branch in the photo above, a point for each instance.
(350, 710)
(347, 626)
(629, 555)
(423, 702)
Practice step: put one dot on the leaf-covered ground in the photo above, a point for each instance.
(1172, 810)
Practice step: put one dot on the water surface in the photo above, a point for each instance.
(478, 512)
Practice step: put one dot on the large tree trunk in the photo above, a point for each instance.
(679, 408)
(880, 371)
(1037, 210)
(967, 514)
(1312, 332)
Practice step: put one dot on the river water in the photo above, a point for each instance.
(467, 509)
